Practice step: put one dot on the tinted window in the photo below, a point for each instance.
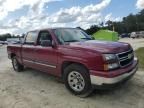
(44, 35)
(31, 37)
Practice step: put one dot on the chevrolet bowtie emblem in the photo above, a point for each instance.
(129, 56)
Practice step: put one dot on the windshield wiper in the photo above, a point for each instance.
(72, 41)
(87, 38)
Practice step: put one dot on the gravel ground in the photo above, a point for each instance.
(136, 43)
(34, 89)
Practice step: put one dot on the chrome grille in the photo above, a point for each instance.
(125, 58)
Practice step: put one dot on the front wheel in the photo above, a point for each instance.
(16, 65)
(77, 80)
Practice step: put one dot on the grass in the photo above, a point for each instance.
(140, 54)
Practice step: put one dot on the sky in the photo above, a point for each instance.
(20, 16)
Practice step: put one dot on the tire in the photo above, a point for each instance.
(77, 80)
(16, 65)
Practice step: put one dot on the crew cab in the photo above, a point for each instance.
(71, 54)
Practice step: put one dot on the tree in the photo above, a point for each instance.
(5, 36)
(128, 24)
(92, 29)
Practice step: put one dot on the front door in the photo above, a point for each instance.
(45, 56)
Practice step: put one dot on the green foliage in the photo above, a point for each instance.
(140, 54)
(92, 29)
(4, 37)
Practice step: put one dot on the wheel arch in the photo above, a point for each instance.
(67, 63)
(12, 55)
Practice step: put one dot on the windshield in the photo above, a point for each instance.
(71, 35)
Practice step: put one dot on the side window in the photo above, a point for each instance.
(31, 37)
(44, 35)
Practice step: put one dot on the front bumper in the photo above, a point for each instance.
(114, 80)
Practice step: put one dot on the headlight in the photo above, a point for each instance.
(111, 62)
(109, 57)
(111, 66)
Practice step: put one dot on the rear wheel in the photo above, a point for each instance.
(77, 80)
(16, 65)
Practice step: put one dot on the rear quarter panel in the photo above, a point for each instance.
(15, 49)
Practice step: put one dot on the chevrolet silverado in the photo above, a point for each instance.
(71, 54)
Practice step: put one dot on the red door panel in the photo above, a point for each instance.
(27, 55)
(46, 59)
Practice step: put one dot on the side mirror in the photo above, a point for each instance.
(46, 43)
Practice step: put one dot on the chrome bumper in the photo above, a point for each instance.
(98, 80)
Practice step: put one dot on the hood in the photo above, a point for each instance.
(102, 46)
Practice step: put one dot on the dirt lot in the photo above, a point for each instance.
(34, 89)
(136, 43)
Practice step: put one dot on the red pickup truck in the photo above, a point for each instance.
(69, 53)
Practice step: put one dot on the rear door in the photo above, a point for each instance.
(28, 49)
(45, 57)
